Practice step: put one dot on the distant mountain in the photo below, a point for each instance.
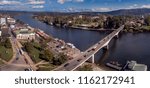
(141, 11)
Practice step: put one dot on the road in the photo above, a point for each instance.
(84, 56)
(18, 59)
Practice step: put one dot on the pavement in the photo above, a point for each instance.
(84, 56)
(19, 61)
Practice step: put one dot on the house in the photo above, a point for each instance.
(3, 21)
(11, 20)
(24, 34)
(0, 33)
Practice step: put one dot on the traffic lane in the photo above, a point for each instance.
(12, 68)
(19, 60)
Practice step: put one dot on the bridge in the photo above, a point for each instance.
(89, 53)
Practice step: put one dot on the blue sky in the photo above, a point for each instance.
(72, 5)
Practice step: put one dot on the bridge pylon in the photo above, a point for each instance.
(106, 47)
(91, 59)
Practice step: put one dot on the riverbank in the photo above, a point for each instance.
(128, 28)
(142, 29)
(129, 46)
(95, 67)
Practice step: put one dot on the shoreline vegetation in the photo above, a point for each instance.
(133, 24)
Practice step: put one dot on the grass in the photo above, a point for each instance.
(35, 53)
(46, 67)
(1, 63)
(87, 67)
(146, 27)
(6, 54)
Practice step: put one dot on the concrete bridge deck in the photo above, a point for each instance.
(86, 55)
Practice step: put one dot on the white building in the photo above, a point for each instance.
(11, 20)
(0, 33)
(3, 21)
(24, 34)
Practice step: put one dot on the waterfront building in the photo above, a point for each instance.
(24, 34)
(133, 65)
(3, 21)
(0, 33)
(11, 20)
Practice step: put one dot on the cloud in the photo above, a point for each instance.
(133, 6)
(145, 6)
(63, 1)
(8, 2)
(36, 2)
(37, 6)
(101, 9)
(79, 0)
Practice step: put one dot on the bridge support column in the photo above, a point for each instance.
(106, 47)
(117, 36)
(91, 59)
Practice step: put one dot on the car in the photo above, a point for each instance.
(66, 64)
(79, 60)
(93, 49)
(88, 50)
(84, 55)
(28, 69)
(17, 58)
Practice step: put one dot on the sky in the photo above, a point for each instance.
(72, 5)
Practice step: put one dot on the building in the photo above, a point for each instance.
(3, 21)
(24, 34)
(133, 65)
(0, 33)
(11, 20)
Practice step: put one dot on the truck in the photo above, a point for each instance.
(21, 51)
(94, 48)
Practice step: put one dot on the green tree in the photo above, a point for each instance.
(47, 55)
(29, 47)
(114, 22)
(147, 21)
(86, 68)
(7, 43)
(60, 59)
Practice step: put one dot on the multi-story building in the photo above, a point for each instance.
(3, 21)
(0, 33)
(11, 20)
(24, 34)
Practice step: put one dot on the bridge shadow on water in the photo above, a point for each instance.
(104, 55)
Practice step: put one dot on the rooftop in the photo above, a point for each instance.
(133, 65)
(23, 31)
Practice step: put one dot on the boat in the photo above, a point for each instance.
(114, 65)
(129, 66)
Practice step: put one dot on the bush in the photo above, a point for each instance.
(7, 43)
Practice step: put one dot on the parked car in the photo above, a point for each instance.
(66, 64)
(28, 69)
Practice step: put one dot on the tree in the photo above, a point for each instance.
(7, 43)
(147, 21)
(29, 47)
(47, 55)
(86, 68)
(114, 22)
(60, 59)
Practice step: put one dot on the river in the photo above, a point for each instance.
(127, 47)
